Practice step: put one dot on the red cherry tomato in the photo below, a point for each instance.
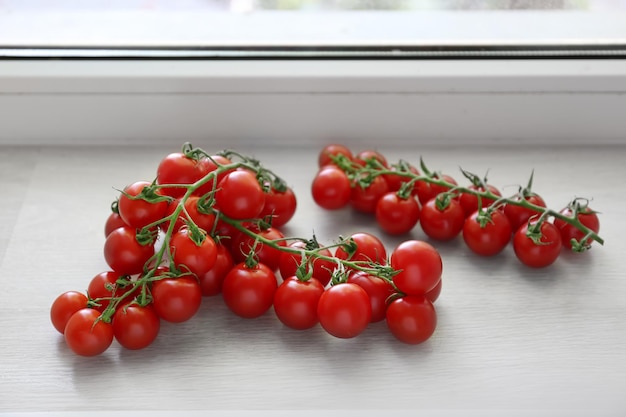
(281, 206)
(378, 290)
(240, 196)
(331, 188)
(210, 165)
(211, 281)
(537, 255)
(519, 215)
(86, 335)
(365, 199)
(204, 221)
(344, 310)
(395, 181)
(568, 232)
(426, 191)
(104, 285)
(135, 327)
(443, 224)
(419, 265)
(176, 299)
(177, 168)
(124, 254)
(267, 255)
(190, 256)
(396, 215)
(64, 306)
(490, 239)
(411, 319)
(434, 294)
(369, 249)
(249, 292)
(138, 213)
(324, 157)
(363, 157)
(113, 222)
(322, 268)
(295, 302)
(469, 202)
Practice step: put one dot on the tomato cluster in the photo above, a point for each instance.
(210, 225)
(400, 197)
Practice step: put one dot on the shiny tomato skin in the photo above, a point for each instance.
(295, 302)
(177, 168)
(249, 292)
(378, 290)
(204, 221)
(176, 299)
(469, 202)
(534, 255)
(189, 256)
(369, 249)
(426, 191)
(520, 215)
(433, 295)
(411, 319)
(136, 327)
(363, 157)
(331, 188)
(86, 338)
(240, 196)
(364, 200)
(124, 254)
(443, 224)
(490, 239)
(322, 268)
(211, 281)
(395, 181)
(64, 306)
(113, 222)
(97, 288)
(396, 215)
(344, 310)
(280, 206)
(333, 149)
(139, 213)
(568, 232)
(419, 265)
(267, 255)
(210, 165)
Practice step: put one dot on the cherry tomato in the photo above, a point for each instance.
(344, 310)
(204, 221)
(135, 327)
(369, 249)
(322, 269)
(249, 292)
(411, 319)
(281, 206)
(64, 306)
(426, 191)
(331, 188)
(113, 222)
(469, 202)
(378, 290)
(267, 255)
(396, 215)
(225, 233)
(443, 224)
(85, 336)
(395, 181)
(139, 213)
(538, 255)
(434, 294)
(568, 232)
(211, 281)
(176, 299)
(177, 168)
(124, 254)
(210, 165)
(324, 157)
(240, 196)
(365, 199)
(419, 265)
(365, 156)
(104, 285)
(295, 302)
(519, 215)
(490, 239)
(193, 257)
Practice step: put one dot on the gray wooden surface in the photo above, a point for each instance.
(509, 338)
